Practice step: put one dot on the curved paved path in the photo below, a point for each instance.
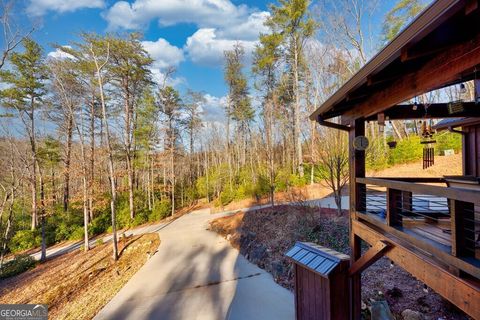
(196, 274)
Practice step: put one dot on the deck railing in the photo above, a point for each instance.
(439, 220)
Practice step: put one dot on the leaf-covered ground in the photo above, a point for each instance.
(78, 284)
(263, 237)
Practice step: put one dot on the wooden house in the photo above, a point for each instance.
(428, 226)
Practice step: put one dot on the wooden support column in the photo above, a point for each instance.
(394, 202)
(357, 169)
(357, 203)
(463, 228)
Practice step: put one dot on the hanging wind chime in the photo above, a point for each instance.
(427, 141)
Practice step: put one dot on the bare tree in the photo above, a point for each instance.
(333, 161)
(13, 35)
(67, 91)
(100, 68)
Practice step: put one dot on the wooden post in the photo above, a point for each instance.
(357, 169)
(463, 228)
(394, 207)
(357, 203)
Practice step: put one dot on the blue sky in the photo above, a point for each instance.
(188, 34)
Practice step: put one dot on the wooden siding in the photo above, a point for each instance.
(471, 152)
(317, 299)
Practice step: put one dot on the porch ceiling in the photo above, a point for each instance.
(439, 48)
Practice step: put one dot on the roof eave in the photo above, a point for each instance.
(427, 20)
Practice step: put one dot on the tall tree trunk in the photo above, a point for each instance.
(395, 130)
(128, 150)
(229, 156)
(297, 135)
(92, 159)
(67, 160)
(268, 115)
(111, 168)
(33, 182)
(206, 176)
(54, 187)
(191, 157)
(43, 256)
(172, 165)
(8, 228)
(85, 175)
(152, 181)
(130, 186)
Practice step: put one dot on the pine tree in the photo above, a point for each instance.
(240, 108)
(24, 93)
(129, 73)
(171, 107)
(292, 23)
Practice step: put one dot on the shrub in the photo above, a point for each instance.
(282, 181)
(262, 187)
(141, 217)
(377, 155)
(99, 224)
(64, 231)
(25, 239)
(297, 181)
(227, 195)
(19, 264)
(407, 150)
(448, 140)
(77, 233)
(160, 210)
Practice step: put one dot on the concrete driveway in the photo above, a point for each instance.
(196, 274)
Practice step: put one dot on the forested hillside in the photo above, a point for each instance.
(93, 141)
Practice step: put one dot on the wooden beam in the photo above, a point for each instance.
(471, 6)
(415, 179)
(443, 68)
(435, 110)
(461, 293)
(377, 79)
(333, 125)
(370, 257)
(441, 252)
(466, 195)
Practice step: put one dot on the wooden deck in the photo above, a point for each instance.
(438, 232)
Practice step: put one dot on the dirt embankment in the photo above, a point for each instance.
(263, 237)
(78, 284)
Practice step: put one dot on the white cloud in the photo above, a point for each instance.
(41, 7)
(59, 54)
(221, 23)
(248, 28)
(213, 110)
(234, 22)
(203, 47)
(164, 54)
(169, 12)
